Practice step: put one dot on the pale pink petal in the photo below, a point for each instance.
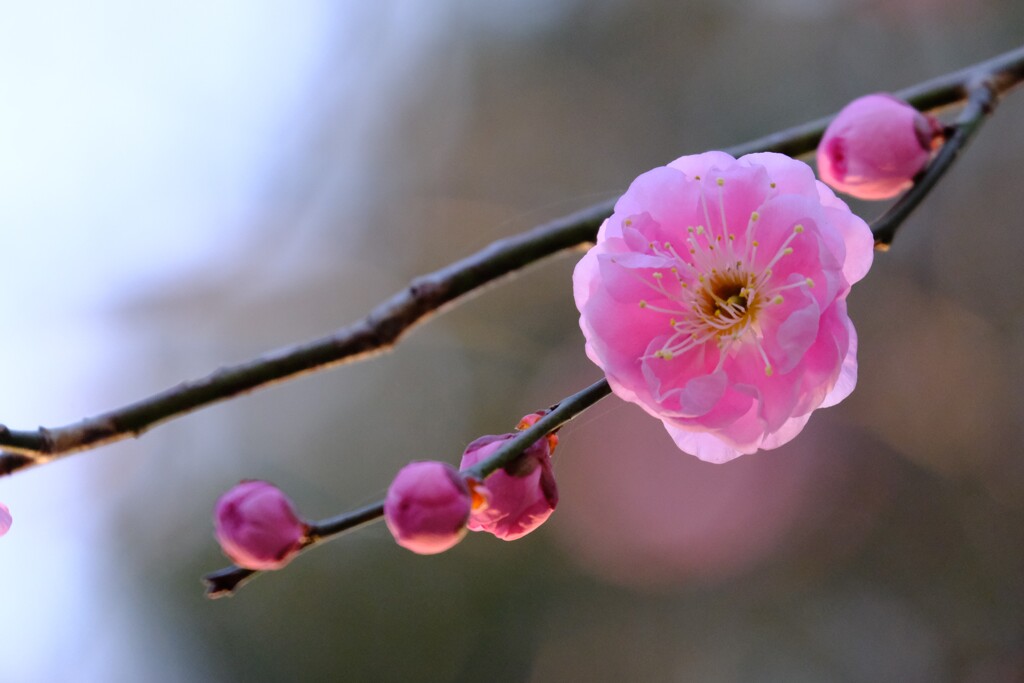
(788, 174)
(700, 164)
(663, 193)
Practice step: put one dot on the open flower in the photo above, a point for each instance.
(715, 299)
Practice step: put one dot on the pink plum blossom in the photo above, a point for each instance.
(875, 146)
(256, 526)
(715, 299)
(427, 506)
(515, 500)
(5, 519)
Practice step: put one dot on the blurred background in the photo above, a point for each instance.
(191, 185)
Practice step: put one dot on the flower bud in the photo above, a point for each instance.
(5, 519)
(515, 500)
(427, 507)
(256, 526)
(875, 146)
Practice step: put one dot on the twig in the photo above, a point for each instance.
(981, 101)
(226, 581)
(428, 294)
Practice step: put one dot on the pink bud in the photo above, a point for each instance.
(5, 519)
(875, 146)
(256, 526)
(427, 507)
(517, 499)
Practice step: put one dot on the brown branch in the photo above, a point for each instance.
(428, 294)
(374, 334)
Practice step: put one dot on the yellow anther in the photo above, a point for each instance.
(778, 299)
(771, 185)
(700, 229)
(787, 251)
(666, 355)
(720, 181)
(755, 243)
(798, 228)
(656, 276)
(671, 322)
(754, 216)
(768, 370)
(642, 304)
(628, 222)
(810, 282)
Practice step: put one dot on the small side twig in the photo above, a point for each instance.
(225, 582)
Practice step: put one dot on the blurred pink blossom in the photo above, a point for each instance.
(875, 146)
(427, 506)
(5, 519)
(256, 526)
(715, 299)
(519, 498)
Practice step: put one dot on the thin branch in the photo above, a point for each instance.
(385, 325)
(981, 102)
(225, 582)
(374, 334)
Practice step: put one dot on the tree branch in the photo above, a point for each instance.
(385, 325)
(226, 581)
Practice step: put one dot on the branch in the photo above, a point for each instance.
(384, 326)
(226, 581)
(374, 334)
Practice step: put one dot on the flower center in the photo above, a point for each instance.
(715, 293)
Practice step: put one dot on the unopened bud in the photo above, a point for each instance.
(518, 498)
(5, 519)
(256, 526)
(427, 507)
(875, 146)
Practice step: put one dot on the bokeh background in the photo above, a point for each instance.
(184, 186)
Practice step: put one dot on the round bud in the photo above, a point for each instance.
(256, 526)
(427, 507)
(875, 146)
